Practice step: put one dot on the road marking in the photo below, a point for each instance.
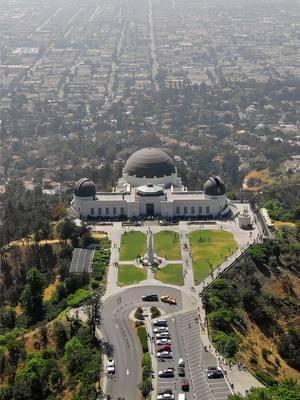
(127, 371)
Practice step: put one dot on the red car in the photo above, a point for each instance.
(185, 386)
(165, 347)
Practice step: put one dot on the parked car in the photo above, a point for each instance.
(165, 347)
(165, 354)
(181, 363)
(160, 322)
(168, 299)
(111, 369)
(166, 373)
(165, 391)
(214, 372)
(161, 329)
(163, 341)
(185, 386)
(181, 371)
(163, 335)
(166, 396)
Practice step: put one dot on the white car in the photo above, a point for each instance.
(163, 341)
(111, 367)
(162, 335)
(166, 396)
(181, 363)
(161, 329)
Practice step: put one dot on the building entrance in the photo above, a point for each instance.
(150, 209)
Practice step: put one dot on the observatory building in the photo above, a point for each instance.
(150, 187)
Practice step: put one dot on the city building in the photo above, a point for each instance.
(150, 187)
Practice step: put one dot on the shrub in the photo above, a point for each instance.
(145, 387)
(289, 347)
(142, 334)
(226, 344)
(265, 353)
(155, 313)
(77, 298)
(253, 360)
(139, 314)
(5, 392)
(265, 378)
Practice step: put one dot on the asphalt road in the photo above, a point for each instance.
(119, 332)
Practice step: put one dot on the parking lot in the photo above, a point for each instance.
(198, 360)
(186, 344)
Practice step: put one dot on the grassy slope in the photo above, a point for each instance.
(255, 338)
(209, 249)
(167, 244)
(172, 273)
(133, 244)
(129, 274)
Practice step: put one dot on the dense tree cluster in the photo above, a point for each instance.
(289, 390)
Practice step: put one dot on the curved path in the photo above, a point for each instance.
(119, 331)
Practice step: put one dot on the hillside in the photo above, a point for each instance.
(254, 310)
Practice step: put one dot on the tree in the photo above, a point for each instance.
(94, 309)
(67, 229)
(60, 337)
(32, 296)
(288, 390)
(289, 347)
(7, 317)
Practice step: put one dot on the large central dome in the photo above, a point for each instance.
(149, 163)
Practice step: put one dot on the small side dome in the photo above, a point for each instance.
(85, 188)
(214, 186)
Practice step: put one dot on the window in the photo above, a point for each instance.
(207, 210)
(114, 211)
(184, 210)
(122, 211)
(177, 210)
(192, 210)
(200, 210)
(99, 211)
(107, 211)
(92, 211)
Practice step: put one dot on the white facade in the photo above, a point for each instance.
(163, 197)
(131, 204)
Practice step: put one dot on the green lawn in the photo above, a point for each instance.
(167, 244)
(209, 249)
(171, 273)
(130, 274)
(133, 244)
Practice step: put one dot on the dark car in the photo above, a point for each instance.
(165, 391)
(181, 371)
(160, 322)
(214, 372)
(185, 386)
(150, 297)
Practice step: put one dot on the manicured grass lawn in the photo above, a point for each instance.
(133, 244)
(209, 249)
(167, 244)
(171, 273)
(130, 274)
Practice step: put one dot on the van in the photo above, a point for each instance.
(181, 396)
